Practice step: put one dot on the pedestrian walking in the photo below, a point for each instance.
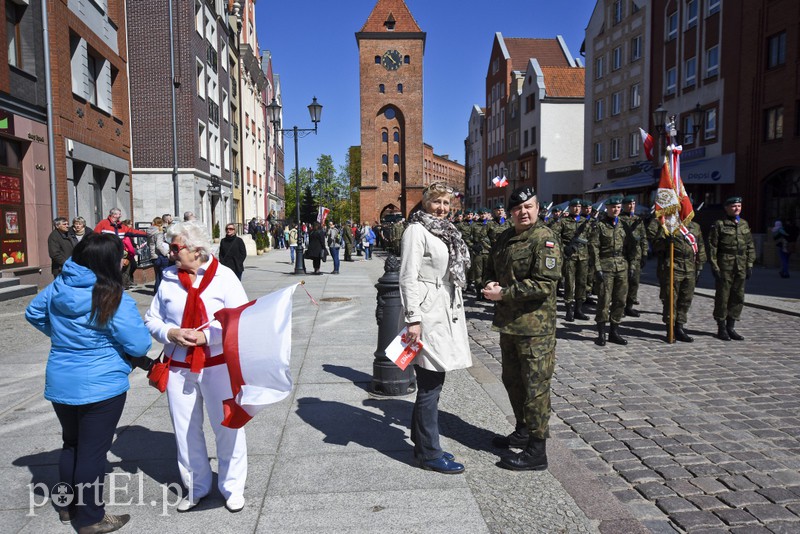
(92, 324)
(732, 254)
(316, 247)
(192, 290)
(334, 239)
(367, 240)
(59, 245)
(292, 242)
(522, 276)
(232, 251)
(432, 276)
(347, 237)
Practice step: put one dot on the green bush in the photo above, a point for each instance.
(215, 230)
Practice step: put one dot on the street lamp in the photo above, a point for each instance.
(315, 110)
(660, 117)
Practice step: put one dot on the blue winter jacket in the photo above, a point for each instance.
(87, 362)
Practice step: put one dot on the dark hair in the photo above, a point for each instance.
(101, 254)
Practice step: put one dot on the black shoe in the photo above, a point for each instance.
(570, 312)
(579, 312)
(532, 458)
(630, 312)
(110, 523)
(442, 465)
(590, 300)
(517, 439)
(729, 324)
(722, 331)
(681, 335)
(66, 515)
(601, 334)
(614, 337)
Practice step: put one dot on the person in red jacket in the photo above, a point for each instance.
(111, 225)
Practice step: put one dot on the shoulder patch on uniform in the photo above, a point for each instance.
(549, 244)
(550, 262)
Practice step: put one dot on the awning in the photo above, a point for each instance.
(637, 181)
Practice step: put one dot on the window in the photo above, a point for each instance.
(98, 82)
(397, 159)
(616, 105)
(533, 135)
(525, 138)
(636, 48)
(399, 87)
(615, 149)
(634, 7)
(713, 6)
(691, 14)
(598, 110)
(712, 62)
(385, 159)
(226, 157)
(385, 137)
(199, 24)
(397, 177)
(377, 60)
(711, 124)
(617, 11)
(773, 123)
(201, 79)
(634, 141)
(381, 88)
(225, 106)
(224, 56)
(688, 130)
(672, 26)
(406, 59)
(690, 72)
(776, 50)
(385, 176)
(598, 152)
(617, 58)
(14, 33)
(671, 81)
(396, 137)
(599, 65)
(636, 95)
(201, 140)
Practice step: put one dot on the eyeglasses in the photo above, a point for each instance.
(438, 187)
(176, 248)
(230, 228)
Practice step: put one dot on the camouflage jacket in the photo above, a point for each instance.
(528, 267)
(466, 232)
(495, 229)
(637, 233)
(480, 238)
(574, 248)
(610, 246)
(686, 261)
(730, 246)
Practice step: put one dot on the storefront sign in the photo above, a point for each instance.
(719, 170)
(6, 122)
(622, 172)
(10, 190)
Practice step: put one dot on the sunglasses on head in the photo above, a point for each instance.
(439, 188)
(175, 248)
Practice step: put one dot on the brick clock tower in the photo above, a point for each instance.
(390, 51)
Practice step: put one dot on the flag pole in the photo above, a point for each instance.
(671, 328)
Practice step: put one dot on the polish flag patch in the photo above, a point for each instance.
(549, 244)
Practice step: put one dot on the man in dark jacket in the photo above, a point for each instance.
(59, 244)
(232, 251)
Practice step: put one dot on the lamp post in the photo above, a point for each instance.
(315, 110)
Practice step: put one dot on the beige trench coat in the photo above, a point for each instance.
(429, 296)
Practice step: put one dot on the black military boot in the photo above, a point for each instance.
(630, 312)
(681, 335)
(601, 334)
(614, 337)
(579, 312)
(532, 458)
(517, 439)
(570, 312)
(729, 324)
(722, 331)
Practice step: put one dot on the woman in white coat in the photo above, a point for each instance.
(432, 275)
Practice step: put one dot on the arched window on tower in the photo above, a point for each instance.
(385, 136)
(397, 177)
(384, 159)
(396, 159)
(382, 88)
(407, 59)
(396, 136)
(377, 60)
(399, 87)
(386, 177)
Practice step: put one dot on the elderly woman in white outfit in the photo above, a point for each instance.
(191, 291)
(432, 275)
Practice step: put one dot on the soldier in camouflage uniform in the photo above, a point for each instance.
(732, 255)
(573, 231)
(347, 236)
(609, 246)
(498, 224)
(637, 233)
(688, 265)
(586, 213)
(465, 229)
(481, 246)
(522, 274)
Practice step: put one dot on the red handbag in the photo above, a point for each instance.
(159, 373)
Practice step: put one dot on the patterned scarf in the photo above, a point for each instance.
(459, 261)
(194, 313)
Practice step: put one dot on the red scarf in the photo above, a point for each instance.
(194, 313)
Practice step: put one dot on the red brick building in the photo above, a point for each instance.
(443, 169)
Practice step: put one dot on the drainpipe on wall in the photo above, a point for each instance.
(175, 189)
(48, 82)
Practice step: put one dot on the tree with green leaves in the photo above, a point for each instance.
(289, 193)
(308, 206)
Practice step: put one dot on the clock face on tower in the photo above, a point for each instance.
(391, 60)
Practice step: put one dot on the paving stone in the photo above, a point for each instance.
(673, 504)
(608, 446)
(706, 502)
(779, 495)
(709, 485)
(751, 529)
(706, 470)
(734, 516)
(784, 527)
(639, 475)
(786, 477)
(684, 488)
(673, 472)
(654, 490)
(739, 499)
(737, 482)
(771, 512)
(693, 520)
(627, 495)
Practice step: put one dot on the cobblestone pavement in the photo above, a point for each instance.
(701, 437)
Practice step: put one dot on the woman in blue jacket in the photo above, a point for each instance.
(92, 325)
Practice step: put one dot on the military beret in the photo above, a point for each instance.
(458, 213)
(484, 210)
(614, 201)
(628, 199)
(733, 200)
(575, 202)
(499, 206)
(520, 195)
(586, 203)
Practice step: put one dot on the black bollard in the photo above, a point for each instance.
(387, 378)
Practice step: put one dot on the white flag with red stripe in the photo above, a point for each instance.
(649, 145)
(322, 214)
(500, 182)
(257, 343)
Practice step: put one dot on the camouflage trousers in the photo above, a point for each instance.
(591, 284)
(634, 272)
(729, 296)
(682, 294)
(574, 275)
(479, 262)
(611, 297)
(528, 364)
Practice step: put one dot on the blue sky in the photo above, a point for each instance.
(314, 50)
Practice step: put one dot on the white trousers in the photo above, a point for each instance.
(187, 392)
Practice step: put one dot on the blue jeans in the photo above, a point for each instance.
(425, 416)
(335, 256)
(367, 253)
(291, 252)
(784, 256)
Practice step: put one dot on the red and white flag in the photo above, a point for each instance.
(673, 205)
(500, 182)
(649, 145)
(257, 343)
(322, 214)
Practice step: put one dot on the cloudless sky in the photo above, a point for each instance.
(314, 51)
